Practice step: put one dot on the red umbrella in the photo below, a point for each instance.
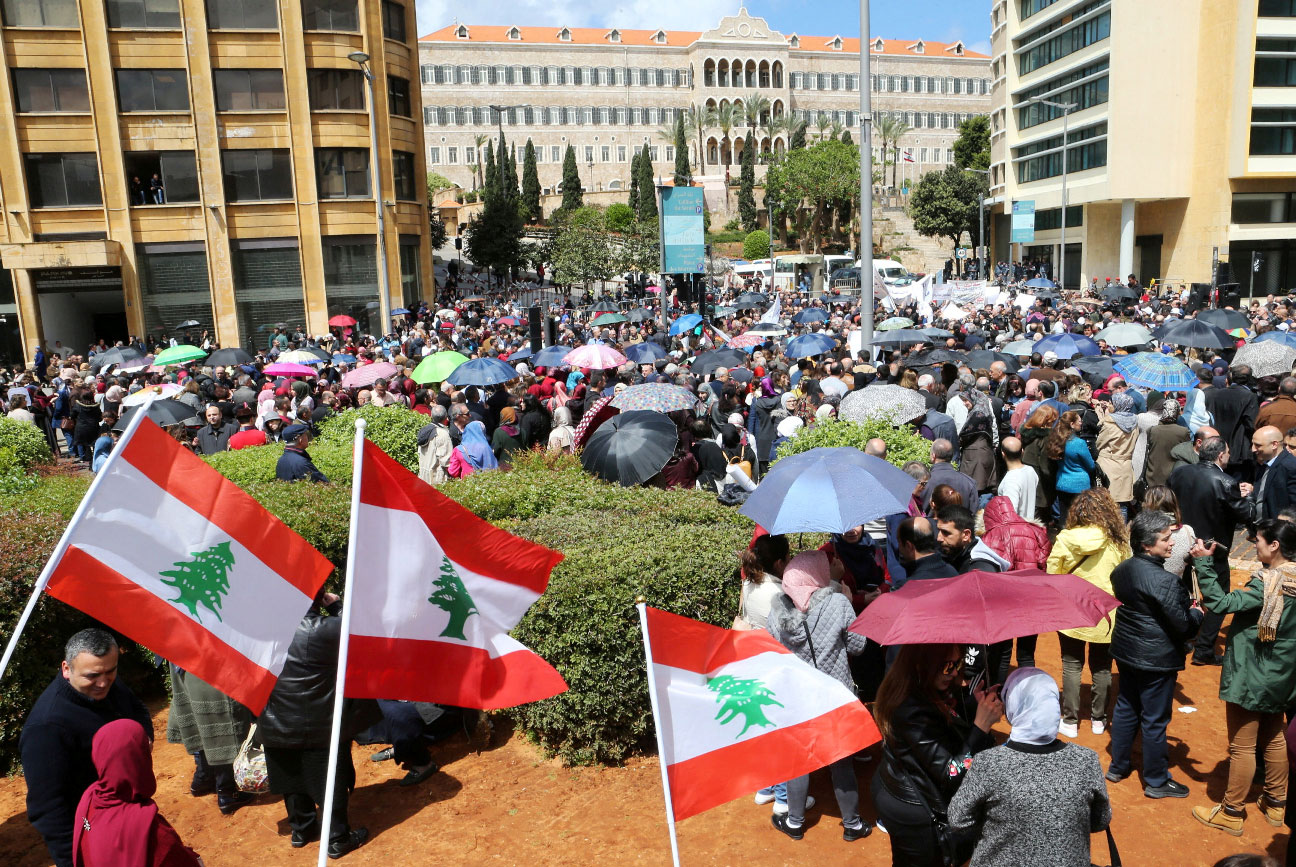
(599, 411)
(341, 320)
(982, 608)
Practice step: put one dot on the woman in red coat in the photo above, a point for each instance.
(1025, 545)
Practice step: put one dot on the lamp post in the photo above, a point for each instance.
(769, 224)
(384, 289)
(982, 258)
(1066, 108)
(866, 181)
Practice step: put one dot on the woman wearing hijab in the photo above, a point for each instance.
(473, 453)
(1036, 799)
(508, 437)
(117, 823)
(811, 619)
(1163, 439)
(979, 443)
(1117, 436)
(563, 436)
(1025, 405)
(1258, 682)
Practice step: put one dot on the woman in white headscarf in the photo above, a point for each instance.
(562, 438)
(1035, 799)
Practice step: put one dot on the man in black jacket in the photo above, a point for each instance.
(919, 548)
(1234, 410)
(1153, 623)
(1275, 487)
(59, 731)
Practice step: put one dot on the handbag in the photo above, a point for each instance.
(945, 839)
(743, 465)
(250, 772)
(1112, 851)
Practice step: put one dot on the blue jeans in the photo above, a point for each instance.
(778, 790)
(1145, 701)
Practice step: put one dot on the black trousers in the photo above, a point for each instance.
(909, 828)
(300, 775)
(223, 775)
(1204, 647)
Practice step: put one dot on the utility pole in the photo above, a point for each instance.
(866, 182)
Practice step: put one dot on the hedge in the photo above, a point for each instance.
(394, 429)
(27, 442)
(255, 465)
(756, 245)
(903, 444)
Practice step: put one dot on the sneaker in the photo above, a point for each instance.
(351, 842)
(878, 824)
(1170, 789)
(383, 755)
(1071, 730)
(1114, 776)
(850, 835)
(1097, 726)
(1273, 813)
(764, 796)
(781, 823)
(780, 807)
(1218, 817)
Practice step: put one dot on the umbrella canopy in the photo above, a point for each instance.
(983, 607)
(1041, 283)
(482, 372)
(178, 355)
(1125, 334)
(1095, 369)
(1019, 347)
(893, 323)
(152, 393)
(769, 329)
(367, 375)
(399, 311)
(1286, 338)
(743, 375)
(645, 353)
(1224, 319)
(630, 448)
(687, 322)
(983, 358)
(164, 412)
(899, 337)
(1266, 359)
(1118, 293)
(750, 300)
(655, 397)
(710, 362)
(809, 344)
(522, 354)
(437, 367)
(936, 333)
(598, 412)
(723, 310)
(827, 490)
(471, 299)
(610, 319)
(341, 321)
(639, 315)
(594, 356)
(343, 358)
(1154, 370)
(1067, 345)
(550, 356)
(811, 315)
(1198, 334)
(747, 339)
(116, 355)
(1165, 326)
(507, 321)
(891, 403)
(231, 357)
(287, 368)
(188, 323)
(296, 356)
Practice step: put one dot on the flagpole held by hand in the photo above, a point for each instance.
(640, 603)
(330, 786)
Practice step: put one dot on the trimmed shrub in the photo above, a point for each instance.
(27, 443)
(620, 217)
(394, 429)
(320, 514)
(903, 444)
(756, 245)
(250, 466)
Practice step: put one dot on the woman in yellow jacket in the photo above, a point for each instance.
(1092, 545)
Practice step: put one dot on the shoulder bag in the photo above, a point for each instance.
(250, 773)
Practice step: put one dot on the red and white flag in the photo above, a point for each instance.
(169, 552)
(436, 591)
(737, 711)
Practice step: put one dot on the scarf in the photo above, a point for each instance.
(981, 406)
(805, 574)
(122, 799)
(508, 419)
(476, 449)
(1123, 415)
(1279, 581)
(1032, 707)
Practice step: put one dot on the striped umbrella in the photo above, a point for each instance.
(1153, 370)
(367, 375)
(596, 356)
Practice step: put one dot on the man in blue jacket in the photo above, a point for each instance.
(295, 463)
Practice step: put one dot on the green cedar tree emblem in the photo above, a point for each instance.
(204, 580)
(745, 697)
(451, 596)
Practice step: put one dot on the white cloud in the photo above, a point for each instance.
(630, 14)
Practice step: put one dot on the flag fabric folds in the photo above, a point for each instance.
(436, 591)
(736, 711)
(175, 556)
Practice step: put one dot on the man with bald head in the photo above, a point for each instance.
(1275, 487)
(1020, 482)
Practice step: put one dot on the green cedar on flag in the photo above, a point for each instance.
(204, 580)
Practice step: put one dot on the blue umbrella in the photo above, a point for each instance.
(827, 490)
(811, 314)
(809, 344)
(1153, 370)
(1067, 345)
(550, 356)
(1286, 338)
(687, 322)
(522, 354)
(482, 371)
(399, 311)
(644, 353)
(343, 358)
(1041, 283)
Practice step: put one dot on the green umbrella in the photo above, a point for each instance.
(610, 319)
(178, 355)
(437, 366)
(894, 322)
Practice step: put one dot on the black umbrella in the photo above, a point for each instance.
(639, 315)
(750, 300)
(1226, 320)
(709, 362)
(165, 412)
(228, 357)
(1094, 368)
(188, 323)
(630, 448)
(1118, 292)
(116, 355)
(983, 358)
(1165, 326)
(946, 356)
(1195, 333)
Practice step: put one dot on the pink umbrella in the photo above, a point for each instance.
(595, 356)
(369, 374)
(288, 368)
(748, 339)
(652, 289)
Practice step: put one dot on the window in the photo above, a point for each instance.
(152, 14)
(589, 154)
(159, 178)
(1047, 221)
(51, 90)
(342, 173)
(257, 175)
(351, 276)
(242, 15)
(62, 180)
(1273, 131)
(621, 153)
(398, 96)
(173, 284)
(1275, 64)
(434, 156)
(330, 15)
(249, 89)
(1082, 154)
(606, 154)
(40, 13)
(267, 286)
(152, 90)
(555, 154)
(403, 174)
(1030, 7)
(452, 156)
(1083, 96)
(335, 89)
(1069, 41)
(411, 285)
(1264, 208)
(652, 154)
(1278, 8)
(393, 19)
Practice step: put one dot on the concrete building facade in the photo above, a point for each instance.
(609, 93)
(1181, 145)
(183, 160)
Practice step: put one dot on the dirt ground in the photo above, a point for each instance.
(509, 805)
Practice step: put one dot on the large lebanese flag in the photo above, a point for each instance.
(737, 711)
(172, 554)
(436, 591)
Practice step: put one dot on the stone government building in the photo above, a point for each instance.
(611, 92)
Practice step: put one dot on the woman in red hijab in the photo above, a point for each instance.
(117, 823)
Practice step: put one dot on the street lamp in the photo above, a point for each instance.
(982, 258)
(769, 224)
(1066, 108)
(384, 290)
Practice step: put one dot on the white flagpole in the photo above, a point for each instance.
(657, 725)
(61, 548)
(330, 785)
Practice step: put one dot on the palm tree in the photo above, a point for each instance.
(823, 123)
(481, 140)
(726, 117)
(890, 130)
(695, 121)
(756, 105)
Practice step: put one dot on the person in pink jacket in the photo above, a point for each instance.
(473, 453)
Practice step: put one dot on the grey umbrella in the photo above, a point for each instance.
(165, 412)
(1267, 358)
(630, 448)
(887, 402)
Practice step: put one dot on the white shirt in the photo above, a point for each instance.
(1019, 486)
(757, 598)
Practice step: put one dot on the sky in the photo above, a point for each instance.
(936, 20)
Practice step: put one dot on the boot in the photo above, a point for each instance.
(1219, 817)
(1274, 813)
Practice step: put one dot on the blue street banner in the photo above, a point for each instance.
(1023, 222)
(683, 237)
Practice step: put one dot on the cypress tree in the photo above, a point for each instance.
(683, 174)
(846, 138)
(530, 185)
(633, 200)
(746, 185)
(798, 138)
(573, 194)
(647, 188)
(491, 185)
(511, 174)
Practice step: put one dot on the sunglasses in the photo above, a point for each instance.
(952, 666)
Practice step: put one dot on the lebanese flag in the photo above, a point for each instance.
(436, 591)
(737, 711)
(170, 553)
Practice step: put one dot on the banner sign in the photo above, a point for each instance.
(683, 237)
(1023, 222)
(967, 293)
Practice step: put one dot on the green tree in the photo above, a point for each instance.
(726, 117)
(482, 141)
(490, 176)
(573, 194)
(640, 248)
(450, 595)
(619, 217)
(742, 697)
(647, 187)
(697, 120)
(747, 184)
(582, 250)
(531, 211)
(756, 110)
(891, 129)
(945, 204)
(683, 173)
(508, 172)
(494, 235)
(809, 185)
(633, 198)
(972, 147)
(204, 580)
(798, 140)
(846, 137)
(756, 245)
(436, 229)
(435, 184)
